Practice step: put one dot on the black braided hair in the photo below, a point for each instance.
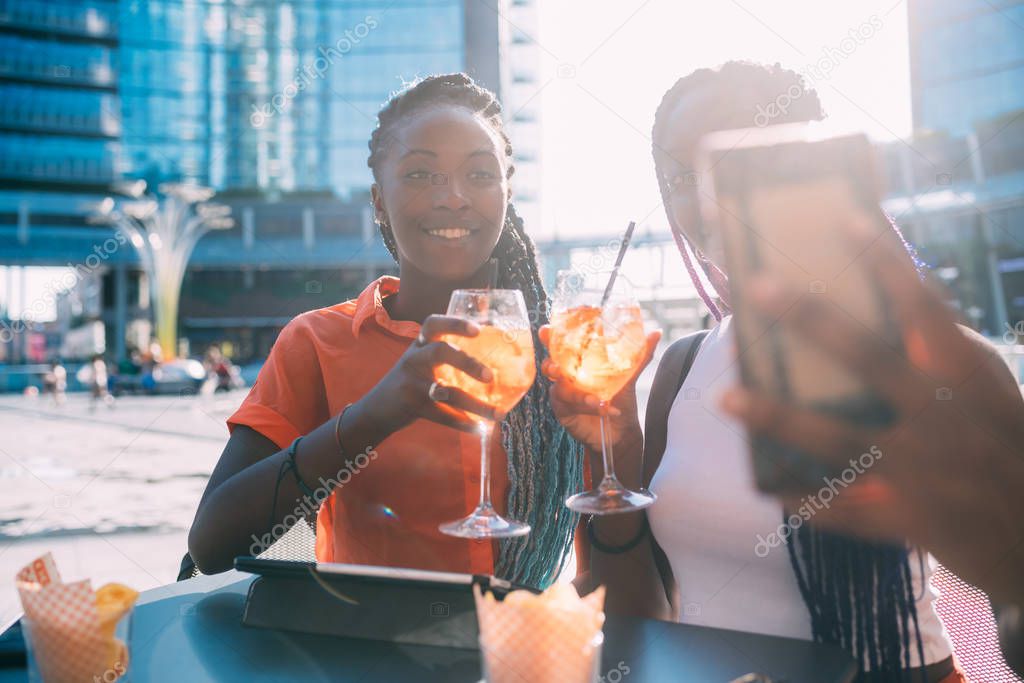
(859, 594)
(545, 464)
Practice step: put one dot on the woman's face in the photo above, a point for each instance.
(442, 187)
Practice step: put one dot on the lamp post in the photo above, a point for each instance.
(164, 231)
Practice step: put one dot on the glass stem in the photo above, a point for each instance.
(485, 467)
(606, 455)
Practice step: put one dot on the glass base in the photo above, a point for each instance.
(610, 500)
(485, 523)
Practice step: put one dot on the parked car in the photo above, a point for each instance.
(183, 375)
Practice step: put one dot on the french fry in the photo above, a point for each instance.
(113, 601)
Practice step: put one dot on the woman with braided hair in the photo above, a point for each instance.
(355, 380)
(708, 551)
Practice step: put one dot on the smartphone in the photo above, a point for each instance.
(778, 202)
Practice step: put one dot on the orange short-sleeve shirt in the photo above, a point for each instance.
(385, 512)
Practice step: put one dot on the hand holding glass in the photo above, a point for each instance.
(505, 345)
(599, 344)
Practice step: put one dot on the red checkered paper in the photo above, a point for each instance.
(63, 624)
(554, 637)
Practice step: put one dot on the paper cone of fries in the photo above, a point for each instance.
(70, 628)
(554, 637)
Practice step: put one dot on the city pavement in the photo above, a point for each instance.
(109, 491)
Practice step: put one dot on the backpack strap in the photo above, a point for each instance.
(675, 366)
(670, 378)
(691, 355)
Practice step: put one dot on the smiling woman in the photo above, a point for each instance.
(353, 381)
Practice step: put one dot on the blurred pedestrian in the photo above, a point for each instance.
(55, 382)
(98, 385)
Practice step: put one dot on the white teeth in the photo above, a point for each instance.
(450, 233)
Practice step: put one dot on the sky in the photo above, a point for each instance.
(597, 166)
(606, 65)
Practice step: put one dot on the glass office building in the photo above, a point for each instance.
(274, 96)
(59, 123)
(59, 144)
(957, 186)
(966, 61)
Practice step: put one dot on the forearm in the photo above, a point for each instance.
(632, 579)
(236, 517)
(633, 582)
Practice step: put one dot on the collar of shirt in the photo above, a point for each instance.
(370, 305)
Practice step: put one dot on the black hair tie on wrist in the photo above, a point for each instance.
(306, 491)
(288, 464)
(645, 529)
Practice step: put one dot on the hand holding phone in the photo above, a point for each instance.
(777, 205)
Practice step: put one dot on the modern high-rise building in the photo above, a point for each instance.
(59, 119)
(966, 62)
(281, 95)
(60, 130)
(957, 185)
(522, 90)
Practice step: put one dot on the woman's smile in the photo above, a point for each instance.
(452, 236)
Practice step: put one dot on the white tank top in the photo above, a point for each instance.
(709, 518)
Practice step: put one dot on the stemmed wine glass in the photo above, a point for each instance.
(598, 340)
(505, 345)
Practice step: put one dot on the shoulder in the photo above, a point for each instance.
(990, 355)
(330, 325)
(671, 364)
(670, 368)
(979, 341)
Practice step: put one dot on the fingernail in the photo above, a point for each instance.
(613, 411)
(487, 375)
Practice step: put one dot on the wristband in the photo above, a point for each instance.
(645, 528)
(306, 491)
(337, 430)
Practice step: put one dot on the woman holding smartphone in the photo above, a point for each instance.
(699, 554)
(391, 454)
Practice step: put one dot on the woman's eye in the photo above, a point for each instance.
(418, 175)
(675, 182)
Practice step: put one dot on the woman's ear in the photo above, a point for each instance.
(377, 199)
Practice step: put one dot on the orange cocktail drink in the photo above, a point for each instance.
(507, 351)
(598, 348)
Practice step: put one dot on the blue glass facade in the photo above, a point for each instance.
(958, 185)
(271, 95)
(967, 61)
(59, 121)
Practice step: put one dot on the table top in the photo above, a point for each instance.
(192, 631)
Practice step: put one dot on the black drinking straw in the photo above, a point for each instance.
(618, 262)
